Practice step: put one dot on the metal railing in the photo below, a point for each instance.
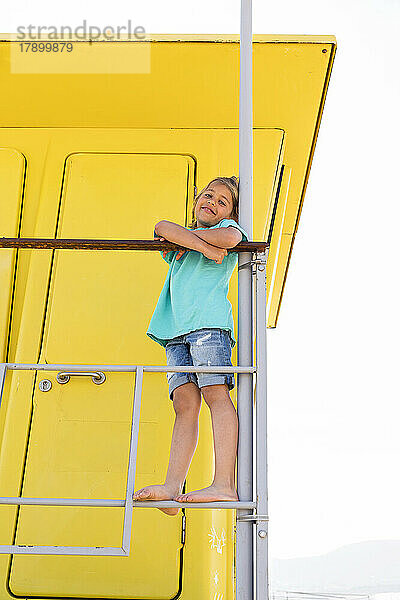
(93, 244)
(249, 512)
(128, 503)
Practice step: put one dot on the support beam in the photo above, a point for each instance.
(261, 526)
(244, 529)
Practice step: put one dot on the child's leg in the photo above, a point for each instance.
(225, 431)
(187, 403)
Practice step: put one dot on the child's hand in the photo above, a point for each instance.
(161, 239)
(180, 254)
(157, 237)
(214, 253)
(165, 252)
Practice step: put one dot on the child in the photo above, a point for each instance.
(193, 321)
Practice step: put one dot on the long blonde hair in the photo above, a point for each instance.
(232, 183)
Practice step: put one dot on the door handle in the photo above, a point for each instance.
(97, 377)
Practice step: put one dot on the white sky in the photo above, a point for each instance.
(334, 411)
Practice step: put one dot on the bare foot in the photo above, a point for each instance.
(208, 494)
(157, 492)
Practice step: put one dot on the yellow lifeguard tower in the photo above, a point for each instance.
(95, 147)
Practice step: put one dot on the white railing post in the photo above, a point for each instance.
(244, 529)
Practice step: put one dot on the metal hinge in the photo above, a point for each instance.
(254, 517)
(253, 262)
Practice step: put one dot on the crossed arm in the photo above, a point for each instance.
(212, 243)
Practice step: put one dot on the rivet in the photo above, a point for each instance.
(262, 533)
(45, 385)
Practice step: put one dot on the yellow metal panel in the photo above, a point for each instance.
(12, 170)
(82, 58)
(283, 71)
(275, 249)
(264, 196)
(98, 308)
(282, 260)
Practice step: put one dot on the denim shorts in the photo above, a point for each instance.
(205, 348)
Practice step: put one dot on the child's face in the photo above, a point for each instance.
(214, 204)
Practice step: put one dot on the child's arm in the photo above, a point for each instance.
(224, 237)
(182, 236)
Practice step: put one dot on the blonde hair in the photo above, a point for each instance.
(232, 183)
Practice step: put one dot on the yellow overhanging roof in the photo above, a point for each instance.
(188, 82)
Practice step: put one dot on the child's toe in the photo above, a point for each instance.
(141, 494)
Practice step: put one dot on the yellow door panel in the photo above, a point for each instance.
(12, 171)
(98, 309)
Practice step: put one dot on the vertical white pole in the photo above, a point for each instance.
(261, 527)
(244, 529)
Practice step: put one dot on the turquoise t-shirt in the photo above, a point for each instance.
(194, 295)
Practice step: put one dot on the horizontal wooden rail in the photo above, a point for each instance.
(81, 244)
